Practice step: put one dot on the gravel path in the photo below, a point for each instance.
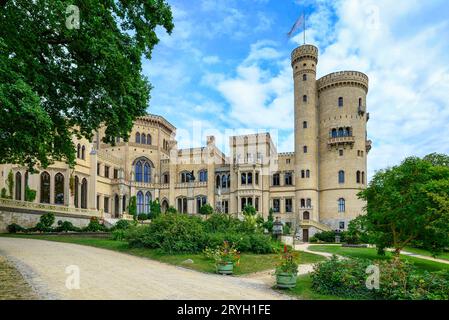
(106, 274)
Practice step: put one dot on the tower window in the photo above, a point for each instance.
(363, 177)
(304, 125)
(305, 149)
(341, 205)
(303, 174)
(340, 152)
(358, 177)
(307, 173)
(304, 98)
(340, 102)
(341, 176)
(304, 77)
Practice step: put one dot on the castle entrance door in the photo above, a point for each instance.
(305, 235)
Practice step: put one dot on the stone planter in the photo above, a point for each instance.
(226, 268)
(286, 280)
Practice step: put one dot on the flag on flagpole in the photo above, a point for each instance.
(298, 24)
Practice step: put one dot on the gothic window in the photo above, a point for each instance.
(166, 178)
(200, 201)
(143, 139)
(307, 173)
(77, 196)
(340, 132)
(304, 125)
(203, 175)
(334, 133)
(303, 203)
(137, 137)
(358, 177)
(224, 181)
(84, 194)
(276, 180)
(276, 205)
(341, 176)
(146, 173)
(182, 205)
(59, 188)
(142, 170)
(149, 139)
(229, 181)
(83, 152)
(45, 187)
(288, 179)
(18, 186)
(304, 77)
(250, 177)
(306, 215)
(140, 202)
(243, 178)
(305, 149)
(148, 200)
(138, 171)
(217, 181)
(304, 98)
(341, 205)
(309, 203)
(340, 102)
(78, 151)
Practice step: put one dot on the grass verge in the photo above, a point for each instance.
(12, 284)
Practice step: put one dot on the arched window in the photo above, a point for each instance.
(360, 102)
(276, 179)
(84, 194)
(148, 200)
(138, 171)
(250, 178)
(140, 202)
(341, 176)
(78, 151)
(147, 173)
(304, 77)
(203, 175)
(59, 188)
(137, 137)
(304, 98)
(309, 203)
(303, 174)
(305, 149)
(334, 133)
(340, 132)
(307, 173)
(217, 181)
(116, 205)
(303, 203)
(143, 139)
(149, 139)
(340, 102)
(166, 178)
(83, 152)
(358, 177)
(45, 187)
(182, 205)
(306, 215)
(348, 132)
(77, 196)
(200, 201)
(363, 177)
(18, 186)
(224, 181)
(243, 178)
(341, 205)
(304, 125)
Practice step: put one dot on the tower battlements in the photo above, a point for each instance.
(343, 78)
(305, 52)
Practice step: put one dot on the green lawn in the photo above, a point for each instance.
(371, 254)
(249, 263)
(444, 255)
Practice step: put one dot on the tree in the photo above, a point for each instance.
(438, 159)
(10, 183)
(59, 81)
(132, 207)
(270, 220)
(409, 202)
(155, 209)
(171, 209)
(206, 210)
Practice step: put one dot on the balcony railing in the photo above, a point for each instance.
(338, 141)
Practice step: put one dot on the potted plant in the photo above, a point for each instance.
(226, 257)
(287, 270)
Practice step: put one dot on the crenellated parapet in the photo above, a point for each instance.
(343, 78)
(305, 52)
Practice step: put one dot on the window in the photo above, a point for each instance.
(288, 179)
(149, 139)
(83, 152)
(224, 182)
(45, 187)
(341, 176)
(84, 194)
(143, 139)
(78, 151)
(334, 133)
(225, 206)
(203, 175)
(360, 103)
(307, 173)
(304, 125)
(98, 168)
(182, 205)
(340, 132)
(59, 188)
(288, 161)
(288, 205)
(342, 225)
(106, 171)
(358, 178)
(18, 186)
(340, 152)
(243, 178)
(340, 102)
(250, 177)
(303, 203)
(303, 174)
(142, 170)
(146, 173)
(77, 182)
(341, 205)
(200, 201)
(304, 77)
(257, 178)
(363, 177)
(217, 181)
(115, 173)
(98, 202)
(256, 205)
(138, 169)
(106, 204)
(148, 200)
(166, 178)
(137, 137)
(306, 215)
(276, 180)
(276, 205)
(124, 205)
(228, 181)
(305, 149)
(140, 202)
(309, 203)
(304, 98)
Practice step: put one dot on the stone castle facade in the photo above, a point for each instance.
(313, 188)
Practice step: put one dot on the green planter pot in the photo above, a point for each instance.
(286, 280)
(227, 268)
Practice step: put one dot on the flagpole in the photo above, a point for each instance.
(304, 19)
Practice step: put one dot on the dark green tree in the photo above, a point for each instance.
(155, 209)
(60, 81)
(206, 210)
(407, 203)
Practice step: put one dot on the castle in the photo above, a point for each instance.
(312, 189)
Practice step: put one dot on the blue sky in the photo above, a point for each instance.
(225, 69)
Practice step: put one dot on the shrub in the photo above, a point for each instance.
(171, 209)
(173, 233)
(95, 225)
(223, 254)
(14, 228)
(122, 224)
(30, 194)
(288, 263)
(206, 210)
(136, 236)
(118, 234)
(45, 223)
(4, 194)
(326, 236)
(66, 226)
(241, 241)
(261, 243)
(132, 208)
(142, 217)
(155, 209)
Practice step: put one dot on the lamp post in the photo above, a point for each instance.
(277, 228)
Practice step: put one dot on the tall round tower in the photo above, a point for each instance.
(343, 146)
(304, 64)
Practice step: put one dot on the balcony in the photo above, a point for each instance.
(341, 142)
(369, 144)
